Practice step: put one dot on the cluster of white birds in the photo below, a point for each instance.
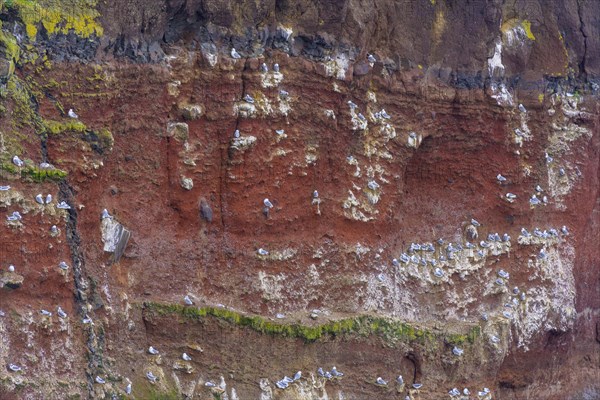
(264, 68)
(286, 380)
(16, 216)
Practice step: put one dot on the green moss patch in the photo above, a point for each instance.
(39, 175)
(58, 127)
(390, 330)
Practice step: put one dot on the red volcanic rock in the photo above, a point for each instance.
(381, 273)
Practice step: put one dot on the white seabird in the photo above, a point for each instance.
(17, 161)
(235, 54)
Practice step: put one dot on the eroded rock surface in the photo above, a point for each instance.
(388, 188)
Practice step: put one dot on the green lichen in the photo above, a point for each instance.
(391, 331)
(168, 395)
(470, 337)
(39, 175)
(11, 50)
(23, 108)
(78, 16)
(58, 127)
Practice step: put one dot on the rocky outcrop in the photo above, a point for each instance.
(388, 188)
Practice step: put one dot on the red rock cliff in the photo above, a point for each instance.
(391, 188)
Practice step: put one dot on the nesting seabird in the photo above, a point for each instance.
(17, 161)
(561, 172)
(373, 185)
(267, 203)
(14, 367)
(503, 274)
(72, 114)
(380, 381)
(457, 351)
(63, 205)
(282, 384)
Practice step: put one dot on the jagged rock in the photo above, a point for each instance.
(242, 143)
(178, 130)
(114, 237)
(187, 183)
(205, 211)
(11, 280)
(191, 111)
(184, 366)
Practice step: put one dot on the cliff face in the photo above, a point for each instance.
(432, 175)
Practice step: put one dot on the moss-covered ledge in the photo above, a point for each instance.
(392, 331)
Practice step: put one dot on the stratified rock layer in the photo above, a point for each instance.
(295, 186)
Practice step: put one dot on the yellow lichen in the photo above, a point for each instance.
(439, 25)
(527, 27)
(56, 17)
